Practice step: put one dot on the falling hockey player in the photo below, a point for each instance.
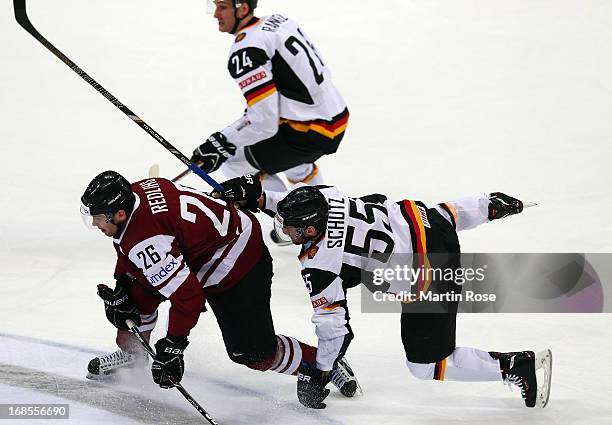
(175, 243)
(337, 232)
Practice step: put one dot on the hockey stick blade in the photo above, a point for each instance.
(154, 170)
(23, 20)
(132, 326)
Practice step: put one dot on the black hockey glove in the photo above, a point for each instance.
(118, 306)
(168, 365)
(214, 152)
(245, 191)
(311, 384)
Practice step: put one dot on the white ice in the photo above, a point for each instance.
(447, 98)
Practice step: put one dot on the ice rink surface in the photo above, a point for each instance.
(447, 98)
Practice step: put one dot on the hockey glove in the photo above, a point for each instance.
(118, 306)
(311, 384)
(214, 152)
(168, 365)
(244, 191)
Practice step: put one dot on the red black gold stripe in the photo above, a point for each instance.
(332, 306)
(418, 235)
(330, 129)
(260, 93)
(440, 370)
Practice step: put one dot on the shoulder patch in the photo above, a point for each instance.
(240, 37)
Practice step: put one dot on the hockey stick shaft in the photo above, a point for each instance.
(181, 176)
(22, 19)
(132, 326)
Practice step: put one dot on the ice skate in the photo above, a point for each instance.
(104, 367)
(345, 380)
(502, 205)
(519, 369)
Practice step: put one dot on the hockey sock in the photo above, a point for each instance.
(273, 182)
(290, 355)
(129, 343)
(305, 173)
(464, 364)
(467, 213)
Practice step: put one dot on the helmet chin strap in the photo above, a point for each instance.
(238, 21)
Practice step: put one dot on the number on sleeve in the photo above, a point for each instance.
(291, 43)
(149, 253)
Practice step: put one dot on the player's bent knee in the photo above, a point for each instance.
(255, 362)
(423, 371)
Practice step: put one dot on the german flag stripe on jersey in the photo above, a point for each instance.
(260, 93)
(418, 235)
(440, 370)
(330, 129)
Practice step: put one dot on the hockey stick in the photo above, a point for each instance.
(178, 386)
(22, 19)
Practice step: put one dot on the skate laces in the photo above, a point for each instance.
(115, 359)
(340, 376)
(514, 379)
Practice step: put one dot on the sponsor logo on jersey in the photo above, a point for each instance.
(336, 223)
(240, 37)
(253, 79)
(423, 215)
(319, 302)
(273, 23)
(155, 197)
(163, 271)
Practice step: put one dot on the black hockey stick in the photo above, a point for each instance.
(22, 19)
(178, 386)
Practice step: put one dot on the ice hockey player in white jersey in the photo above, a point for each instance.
(294, 113)
(338, 232)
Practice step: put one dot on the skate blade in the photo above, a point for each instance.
(544, 361)
(96, 377)
(529, 204)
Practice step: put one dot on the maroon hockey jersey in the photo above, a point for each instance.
(183, 244)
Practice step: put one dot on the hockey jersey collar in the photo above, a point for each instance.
(117, 240)
(254, 21)
(310, 249)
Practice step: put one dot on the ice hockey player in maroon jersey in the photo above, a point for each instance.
(294, 112)
(178, 244)
(339, 237)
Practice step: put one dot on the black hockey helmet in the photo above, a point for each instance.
(108, 193)
(251, 3)
(303, 207)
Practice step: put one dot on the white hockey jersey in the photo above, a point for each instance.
(283, 78)
(358, 230)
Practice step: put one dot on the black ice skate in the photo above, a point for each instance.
(502, 205)
(104, 367)
(518, 368)
(277, 240)
(345, 380)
